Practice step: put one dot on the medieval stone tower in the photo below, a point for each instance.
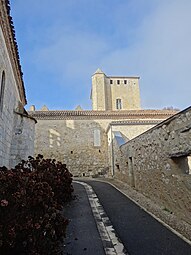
(114, 93)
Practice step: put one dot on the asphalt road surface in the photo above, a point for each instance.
(139, 232)
(82, 236)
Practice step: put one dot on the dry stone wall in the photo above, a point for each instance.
(157, 164)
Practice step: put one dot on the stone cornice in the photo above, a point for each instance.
(6, 24)
(131, 114)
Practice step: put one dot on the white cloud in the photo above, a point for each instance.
(161, 57)
(147, 38)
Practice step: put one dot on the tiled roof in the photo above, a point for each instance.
(89, 114)
(7, 26)
(135, 121)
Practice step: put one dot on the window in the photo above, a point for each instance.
(97, 137)
(118, 104)
(118, 82)
(125, 81)
(2, 88)
(182, 164)
(111, 81)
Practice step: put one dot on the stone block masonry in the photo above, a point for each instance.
(114, 92)
(157, 164)
(74, 143)
(16, 127)
(80, 138)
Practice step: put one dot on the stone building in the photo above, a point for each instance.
(157, 163)
(16, 126)
(84, 139)
(114, 92)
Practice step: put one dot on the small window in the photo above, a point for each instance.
(2, 88)
(97, 137)
(118, 82)
(118, 104)
(111, 81)
(125, 81)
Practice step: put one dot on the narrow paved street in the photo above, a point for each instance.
(82, 235)
(139, 232)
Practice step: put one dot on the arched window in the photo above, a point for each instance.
(2, 88)
(118, 104)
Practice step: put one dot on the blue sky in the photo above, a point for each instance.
(63, 42)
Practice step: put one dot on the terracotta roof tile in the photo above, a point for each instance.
(89, 114)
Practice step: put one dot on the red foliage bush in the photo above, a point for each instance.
(31, 199)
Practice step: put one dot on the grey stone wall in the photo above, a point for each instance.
(23, 135)
(128, 131)
(80, 143)
(10, 101)
(157, 164)
(74, 142)
(8, 119)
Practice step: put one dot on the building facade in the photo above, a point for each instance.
(16, 126)
(84, 139)
(114, 92)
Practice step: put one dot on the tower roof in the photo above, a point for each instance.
(98, 71)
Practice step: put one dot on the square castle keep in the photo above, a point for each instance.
(84, 139)
(114, 93)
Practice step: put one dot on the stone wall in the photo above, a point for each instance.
(11, 98)
(22, 144)
(127, 130)
(80, 138)
(81, 144)
(129, 93)
(10, 102)
(157, 164)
